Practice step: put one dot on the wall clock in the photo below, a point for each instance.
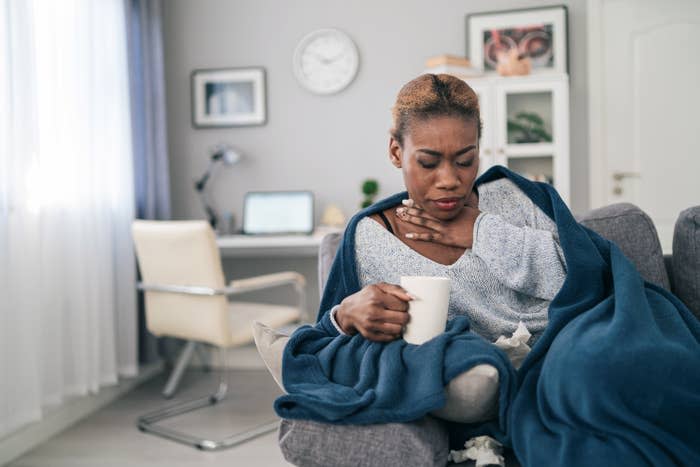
(326, 61)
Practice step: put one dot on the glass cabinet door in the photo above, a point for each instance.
(526, 126)
(532, 130)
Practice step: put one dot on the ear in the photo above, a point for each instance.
(395, 152)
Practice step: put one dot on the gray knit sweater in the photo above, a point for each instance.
(511, 274)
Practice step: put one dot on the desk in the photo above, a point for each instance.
(252, 255)
(256, 246)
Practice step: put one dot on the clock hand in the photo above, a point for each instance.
(327, 60)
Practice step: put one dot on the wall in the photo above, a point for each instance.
(328, 144)
(325, 143)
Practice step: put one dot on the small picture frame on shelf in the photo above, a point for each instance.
(228, 97)
(537, 34)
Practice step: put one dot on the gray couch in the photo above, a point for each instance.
(424, 442)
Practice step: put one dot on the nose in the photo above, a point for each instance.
(448, 177)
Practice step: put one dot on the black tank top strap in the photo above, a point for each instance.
(386, 222)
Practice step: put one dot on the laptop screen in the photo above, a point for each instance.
(278, 212)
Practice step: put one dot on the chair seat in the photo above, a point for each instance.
(244, 313)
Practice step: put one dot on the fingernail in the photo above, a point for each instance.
(407, 202)
(410, 235)
(411, 296)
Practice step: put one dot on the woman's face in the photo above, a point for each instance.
(440, 161)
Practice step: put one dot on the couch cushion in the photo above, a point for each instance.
(686, 258)
(633, 231)
(422, 443)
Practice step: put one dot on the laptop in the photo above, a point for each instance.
(278, 213)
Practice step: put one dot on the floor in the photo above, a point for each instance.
(109, 437)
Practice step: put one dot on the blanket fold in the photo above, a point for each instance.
(613, 380)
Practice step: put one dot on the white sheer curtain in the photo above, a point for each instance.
(67, 299)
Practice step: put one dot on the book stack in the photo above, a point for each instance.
(454, 65)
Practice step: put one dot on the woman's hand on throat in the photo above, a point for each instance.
(457, 232)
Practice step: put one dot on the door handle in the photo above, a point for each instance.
(618, 176)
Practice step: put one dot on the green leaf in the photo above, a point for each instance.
(530, 117)
(542, 134)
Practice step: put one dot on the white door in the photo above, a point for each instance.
(644, 60)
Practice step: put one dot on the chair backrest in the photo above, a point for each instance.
(633, 231)
(326, 255)
(182, 253)
(686, 258)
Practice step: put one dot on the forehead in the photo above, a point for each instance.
(443, 130)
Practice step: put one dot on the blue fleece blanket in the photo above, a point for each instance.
(613, 380)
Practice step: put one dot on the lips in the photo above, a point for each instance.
(447, 204)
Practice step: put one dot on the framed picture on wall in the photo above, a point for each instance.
(228, 97)
(538, 33)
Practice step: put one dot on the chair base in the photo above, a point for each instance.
(148, 424)
(186, 354)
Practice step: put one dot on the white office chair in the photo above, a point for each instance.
(186, 297)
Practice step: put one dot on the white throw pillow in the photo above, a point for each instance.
(270, 344)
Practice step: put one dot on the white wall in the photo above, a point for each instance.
(328, 144)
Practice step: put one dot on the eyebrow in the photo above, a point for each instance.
(432, 152)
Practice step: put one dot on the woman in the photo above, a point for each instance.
(614, 375)
(499, 249)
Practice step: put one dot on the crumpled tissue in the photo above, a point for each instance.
(484, 450)
(515, 346)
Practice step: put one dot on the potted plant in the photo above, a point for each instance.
(370, 188)
(528, 127)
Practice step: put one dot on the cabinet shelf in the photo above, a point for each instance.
(529, 149)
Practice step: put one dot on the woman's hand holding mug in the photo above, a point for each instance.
(378, 312)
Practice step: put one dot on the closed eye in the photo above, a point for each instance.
(467, 163)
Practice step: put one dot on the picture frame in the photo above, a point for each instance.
(228, 97)
(540, 33)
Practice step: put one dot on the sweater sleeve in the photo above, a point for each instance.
(521, 248)
(327, 323)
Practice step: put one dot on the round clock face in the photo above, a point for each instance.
(326, 61)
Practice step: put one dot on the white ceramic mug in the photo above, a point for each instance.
(428, 311)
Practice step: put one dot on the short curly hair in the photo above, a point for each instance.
(429, 96)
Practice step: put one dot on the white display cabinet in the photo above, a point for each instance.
(526, 126)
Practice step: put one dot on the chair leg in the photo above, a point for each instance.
(182, 361)
(203, 356)
(148, 423)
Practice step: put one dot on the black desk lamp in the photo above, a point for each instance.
(222, 153)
